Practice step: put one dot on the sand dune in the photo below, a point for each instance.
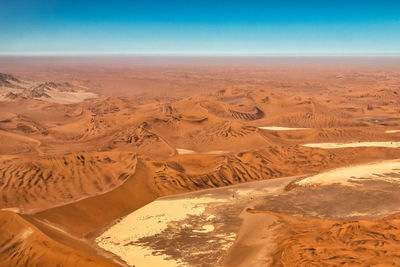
(32, 182)
(190, 226)
(99, 153)
(25, 245)
(174, 231)
(291, 240)
(62, 93)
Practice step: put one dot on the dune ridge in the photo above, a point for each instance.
(85, 145)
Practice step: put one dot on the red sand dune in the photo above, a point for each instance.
(68, 171)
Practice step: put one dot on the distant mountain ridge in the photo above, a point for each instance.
(12, 88)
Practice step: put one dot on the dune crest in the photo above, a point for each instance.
(199, 161)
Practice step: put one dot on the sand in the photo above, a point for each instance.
(255, 243)
(62, 93)
(354, 144)
(205, 229)
(89, 141)
(317, 242)
(34, 247)
(188, 152)
(69, 97)
(278, 128)
(182, 151)
(151, 220)
(134, 238)
(387, 171)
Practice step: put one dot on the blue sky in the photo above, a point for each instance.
(199, 27)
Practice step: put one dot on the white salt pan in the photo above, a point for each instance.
(182, 151)
(354, 144)
(277, 128)
(205, 229)
(147, 221)
(388, 170)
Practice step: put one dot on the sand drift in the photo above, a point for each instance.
(95, 158)
(278, 128)
(182, 151)
(194, 229)
(197, 229)
(354, 144)
(388, 171)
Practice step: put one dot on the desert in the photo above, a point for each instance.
(199, 161)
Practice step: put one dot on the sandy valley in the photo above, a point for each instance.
(199, 161)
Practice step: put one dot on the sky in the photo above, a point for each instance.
(195, 27)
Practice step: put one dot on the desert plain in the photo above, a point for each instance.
(199, 161)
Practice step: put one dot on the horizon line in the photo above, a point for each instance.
(174, 54)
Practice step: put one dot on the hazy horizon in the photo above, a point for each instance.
(199, 27)
(109, 54)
